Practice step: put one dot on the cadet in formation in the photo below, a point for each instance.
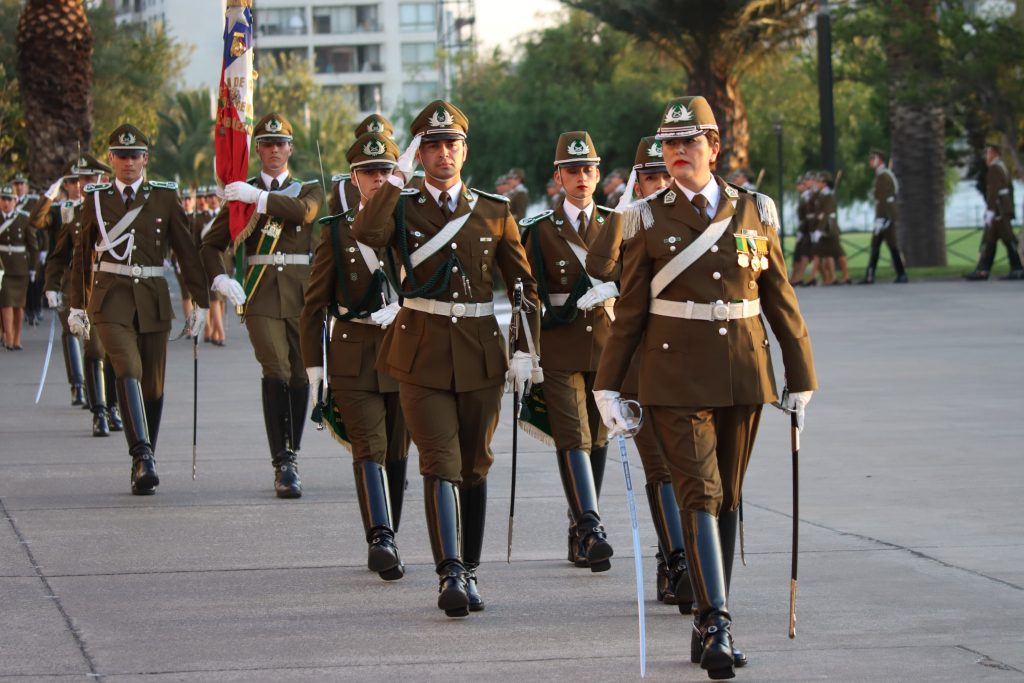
(803, 252)
(445, 347)
(885, 190)
(575, 324)
(278, 243)
(19, 250)
(648, 177)
(702, 261)
(118, 286)
(518, 195)
(998, 219)
(350, 283)
(27, 202)
(344, 194)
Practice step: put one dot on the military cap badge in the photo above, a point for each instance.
(274, 126)
(655, 149)
(440, 118)
(374, 148)
(578, 148)
(127, 138)
(678, 113)
(375, 127)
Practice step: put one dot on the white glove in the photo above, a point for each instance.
(32, 275)
(609, 404)
(990, 216)
(315, 375)
(880, 225)
(239, 191)
(196, 321)
(229, 288)
(54, 190)
(78, 323)
(407, 162)
(815, 236)
(521, 372)
(597, 295)
(796, 402)
(219, 191)
(52, 298)
(386, 315)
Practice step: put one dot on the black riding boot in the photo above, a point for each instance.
(277, 418)
(144, 478)
(396, 488)
(1016, 270)
(299, 397)
(598, 460)
(154, 411)
(728, 527)
(474, 513)
(441, 502)
(707, 575)
(96, 391)
(110, 386)
(374, 506)
(74, 358)
(674, 582)
(591, 544)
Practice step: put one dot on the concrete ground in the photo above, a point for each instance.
(912, 541)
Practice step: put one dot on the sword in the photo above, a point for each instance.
(49, 351)
(635, 411)
(794, 435)
(517, 406)
(321, 391)
(195, 400)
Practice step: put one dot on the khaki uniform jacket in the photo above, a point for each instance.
(353, 346)
(576, 346)
(826, 213)
(519, 201)
(352, 197)
(20, 233)
(435, 351)
(697, 363)
(280, 291)
(885, 196)
(121, 299)
(58, 272)
(999, 191)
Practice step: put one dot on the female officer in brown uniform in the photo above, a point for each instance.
(702, 262)
(18, 249)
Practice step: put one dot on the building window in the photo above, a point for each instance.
(282, 54)
(283, 21)
(417, 56)
(345, 19)
(420, 92)
(369, 97)
(417, 16)
(345, 59)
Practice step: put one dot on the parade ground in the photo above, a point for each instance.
(911, 535)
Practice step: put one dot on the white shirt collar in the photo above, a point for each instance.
(268, 180)
(572, 212)
(135, 186)
(453, 193)
(711, 192)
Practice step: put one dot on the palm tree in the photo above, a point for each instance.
(184, 142)
(54, 63)
(715, 43)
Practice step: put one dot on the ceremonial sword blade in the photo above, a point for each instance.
(49, 351)
(637, 559)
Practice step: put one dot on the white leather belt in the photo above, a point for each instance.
(12, 249)
(129, 271)
(560, 299)
(455, 310)
(363, 321)
(279, 260)
(689, 310)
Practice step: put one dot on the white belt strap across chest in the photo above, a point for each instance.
(341, 196)
(435, 243)
(581, 256)
(688, 256)
(111, 240)
(206, 228)
(7, 223)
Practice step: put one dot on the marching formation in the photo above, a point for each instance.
(380, 317)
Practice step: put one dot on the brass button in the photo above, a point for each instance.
(751, 284)
(455, 269)
(454, 246)
(403, 327)
(672, 248)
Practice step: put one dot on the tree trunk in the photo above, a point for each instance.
(54, 47)
(722, 91)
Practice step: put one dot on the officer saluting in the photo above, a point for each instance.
(702, 261)
(278, 243)
(349, 283)
(445, 348)
(118, 282)
(574, 328)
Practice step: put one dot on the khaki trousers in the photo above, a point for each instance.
(276, 343)
(135, 355)
(572, 411)
(373, 422)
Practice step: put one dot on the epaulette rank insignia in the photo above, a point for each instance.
(169, 185)
(496, 197)
(96, 187)
(408, 191)
(731, 192)
(308, 182)
(328, 219)
(339, 177)
(530, 220)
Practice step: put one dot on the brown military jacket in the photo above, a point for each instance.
(353, 346)
(58, 262)
(46, 216)
(280, 291)
(885, 195)
(122, 299)
(433, 350)
(826, 213)
(575, 346)
(697, 363)
(19, 234)
(352, 198)
(999, 191)
(805, 213)
(519, 201)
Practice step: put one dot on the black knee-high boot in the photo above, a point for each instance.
(592, 548)
(396, 488)
(95, 389)
(474, 514)
(110, 386)
(375, 508)
(441, 503)
(144, 479)
(673, 581)
(707, 576)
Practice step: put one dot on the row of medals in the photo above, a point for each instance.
(756, 261)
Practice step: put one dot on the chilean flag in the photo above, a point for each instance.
(234, 107)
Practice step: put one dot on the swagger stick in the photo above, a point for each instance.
(635, 411)
(513, 339)
(794, 433)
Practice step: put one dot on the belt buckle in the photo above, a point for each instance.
(719, 311)
(278, 259)
(459, 310)
(136, 270)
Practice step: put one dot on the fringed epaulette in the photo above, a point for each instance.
(96, 187)
(168, 185)
(496, 197)
(637, 215)
(530, 220)
(339, 177)
(768, 211)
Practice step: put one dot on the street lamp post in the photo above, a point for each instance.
(825, 106)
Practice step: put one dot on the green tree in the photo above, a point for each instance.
(184, 148)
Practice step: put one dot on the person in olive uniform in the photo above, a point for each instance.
(702, 261)
(886, 187)
(803, 252)
(27, 202)
(575, 323)
(19, 250)
(344, 194)
(118, 283)
(649, 176)
(99, 377)
(278, 243)
(518, 195)
(998, 219)
(350, 284)
(444, 347)
(188, 204)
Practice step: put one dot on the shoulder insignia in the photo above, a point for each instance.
(96, 187)
(307, 182)
(409, 191)
(340, 176)
(605, 209)
(733, 191)
(767, 210)
(530, 220)
(496, 197)
(67, 204)
(30, 196)
(169, 185)
(330, 219)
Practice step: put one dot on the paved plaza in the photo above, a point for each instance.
(912, 535)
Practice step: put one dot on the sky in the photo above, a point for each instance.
(498, 21)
